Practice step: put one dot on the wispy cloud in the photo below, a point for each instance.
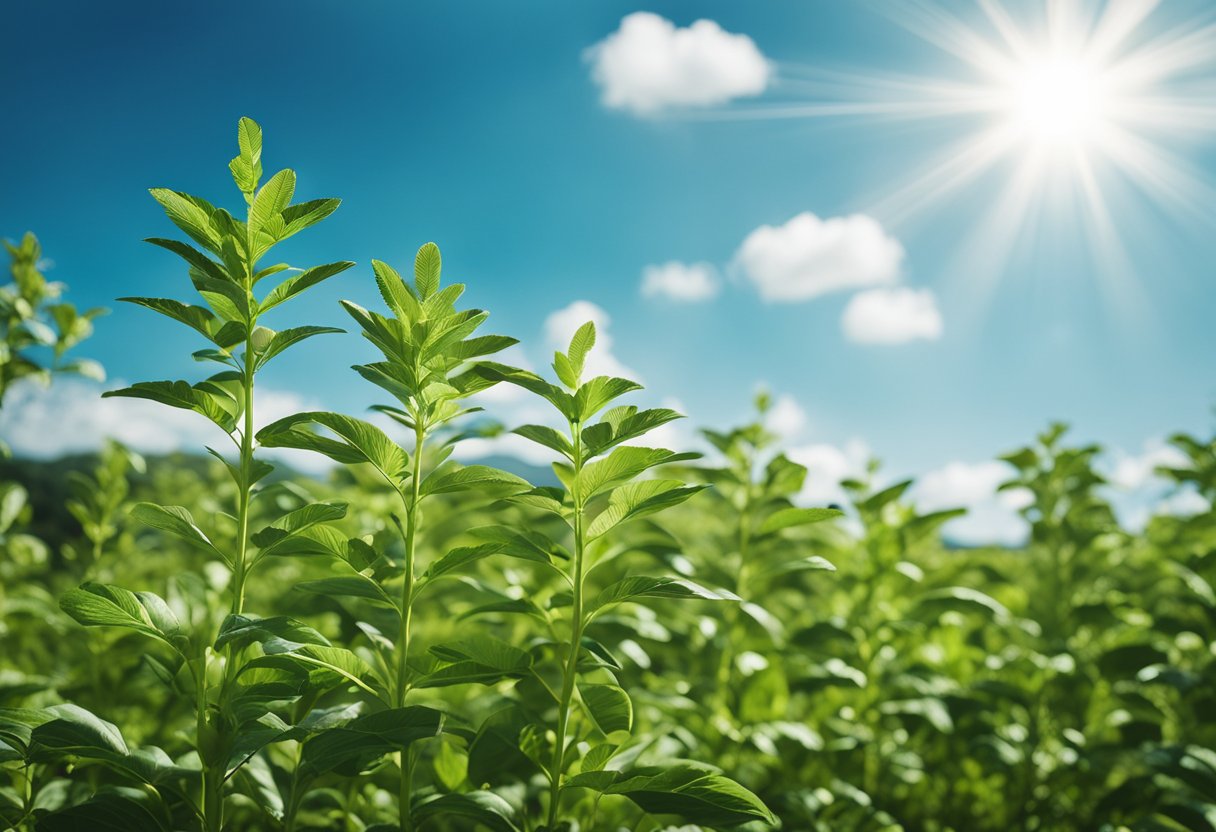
(681, 282)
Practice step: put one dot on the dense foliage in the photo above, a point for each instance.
(643, 639)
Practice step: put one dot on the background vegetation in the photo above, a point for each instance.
(638, 639)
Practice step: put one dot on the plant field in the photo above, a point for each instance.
(637, 638)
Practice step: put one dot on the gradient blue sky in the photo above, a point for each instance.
(478, 125)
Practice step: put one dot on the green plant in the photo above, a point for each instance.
(98, 500)
(225, 273)
(430, 361)
(30, 347)
(600, 491)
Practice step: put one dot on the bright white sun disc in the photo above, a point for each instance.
(1057, 100)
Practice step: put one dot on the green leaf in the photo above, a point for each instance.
(789, 517)
(241, 630)
(427, 266)
(451, 766)
(288, 337)
(556, 396)
(548, 437)
(640, 586)
(191, 215)
(693, 794)
(455, 560)
(293, 286)
(485, 809)
(351, 748)
(580, 345)
(13, 500)
(593, 396)
(246, 167)
(959, 599)
(397, 295)
(120, 810)
(196, 317)
(353, 585)
(73, 730)
(481, 345)
(469, 477)
(810, 563)
(565, 372)
(297, 521)
(304, 214)
(270, 201)
(481, 659)
(622, 465)
(101, 605)
(609, 706)
(341, 663)
(610, 431)
(181, 395)
(638, 499)
(176, 521)
(358, 441)
(875, 502)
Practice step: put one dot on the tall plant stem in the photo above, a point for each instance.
(407, 605)
(576, 636)
(238, 587)
(213, 756)
(730, 618)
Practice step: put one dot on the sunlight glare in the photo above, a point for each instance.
(1058, 100)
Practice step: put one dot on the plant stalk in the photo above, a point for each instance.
(576, 637)
(407, 605)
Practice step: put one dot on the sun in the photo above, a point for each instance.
(1089, 109)
(1059, 101)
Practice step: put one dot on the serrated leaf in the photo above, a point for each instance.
(427, 266)
(271, 199)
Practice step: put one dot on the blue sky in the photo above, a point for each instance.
(480, 126)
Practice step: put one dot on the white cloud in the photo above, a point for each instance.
(892, 316)
(826, 466)
(1135, 471)
(785, 417)
(809, 256)
(561, 325)
(687, 282)
(71, 417)
(649, 64)
(991, 517)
